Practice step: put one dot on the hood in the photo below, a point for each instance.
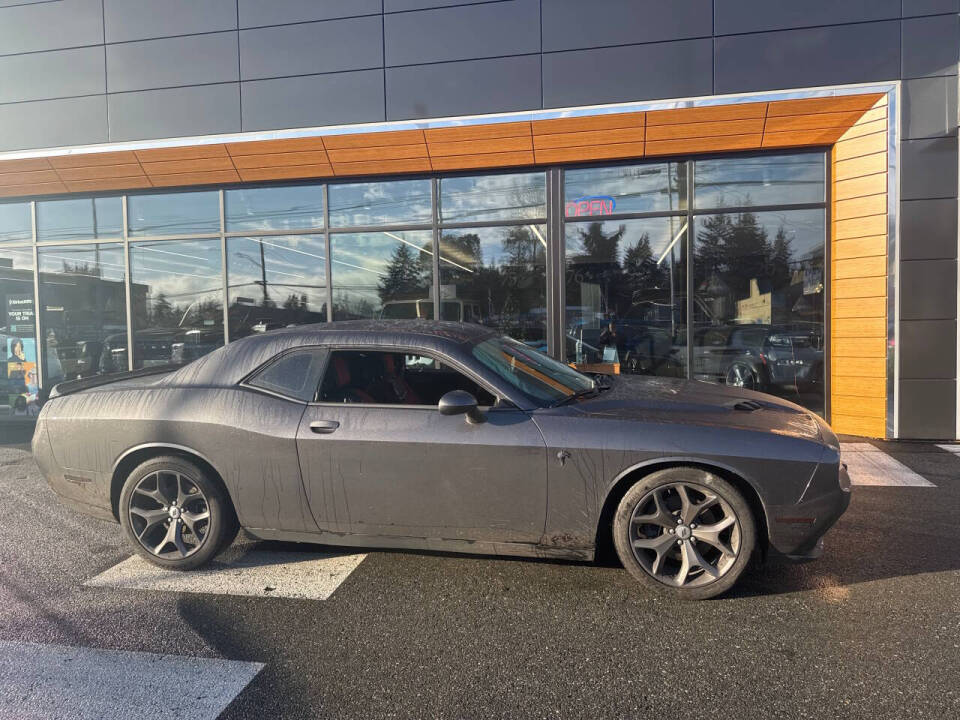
(662, 400)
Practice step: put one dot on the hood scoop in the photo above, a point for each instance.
(747, 405)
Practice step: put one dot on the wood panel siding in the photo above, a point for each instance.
(858, 259)
(512, 144)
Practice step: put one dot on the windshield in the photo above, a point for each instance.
(533, 373)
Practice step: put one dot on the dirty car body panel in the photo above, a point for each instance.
(532, 479)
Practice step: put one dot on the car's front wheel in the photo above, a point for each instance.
(684, 531)
(175, 515)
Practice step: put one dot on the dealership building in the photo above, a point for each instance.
(754, 192)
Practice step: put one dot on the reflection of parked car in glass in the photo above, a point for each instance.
(759, 356)
(191, 344)
(455, 310)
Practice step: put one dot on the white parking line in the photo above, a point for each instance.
(259, 573)
(955, 449)
(869, 465)
(54, 681)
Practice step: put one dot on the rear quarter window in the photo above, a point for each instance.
(294, 374)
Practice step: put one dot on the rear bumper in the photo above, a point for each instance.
(81, 490)
(796, 531)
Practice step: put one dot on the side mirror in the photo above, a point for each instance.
(460, 402)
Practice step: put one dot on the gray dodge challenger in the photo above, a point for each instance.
(443, 436)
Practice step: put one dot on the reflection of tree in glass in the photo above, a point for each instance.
(406, 275)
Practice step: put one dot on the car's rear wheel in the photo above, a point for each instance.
(175, 515)
(743, 376)
(684, 531)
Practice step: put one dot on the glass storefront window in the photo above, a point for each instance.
(380, 203)
(497, 276)
(15, 224)
(760, 180)
(626, 292)
(18, 336)
(386, 275)
(287, 207)
(652, 187)
(183, 213)
(275, 282)
(83, 318)
(488, 198)
(759, 302)
(79, 219)
(176, 298)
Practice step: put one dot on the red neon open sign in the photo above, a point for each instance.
(592, 205)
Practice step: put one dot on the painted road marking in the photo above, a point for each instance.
(955, 449)
(869, 465)
(54, 681)
(258, 573)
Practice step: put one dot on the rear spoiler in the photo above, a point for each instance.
(74, 386)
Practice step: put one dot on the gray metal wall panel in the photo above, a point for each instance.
(257, 13)
(405, 5)
(930, 46)
(569, 25)
(307, 48)
(306, 101)
(742, 16)
(928, 168)
(171, 62)
(463, 88)
(928, 409)
(176, 112)
(584, 77)
(462, 33)
(53, 123)
(929, 107)
(50, 26)
(55, 74)
(928, 349)
(928, 229)
(144, 19)
(928, 289)
(805, 58)
(912, 8)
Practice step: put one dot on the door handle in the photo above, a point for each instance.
(324, 427)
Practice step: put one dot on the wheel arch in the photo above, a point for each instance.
(138, 454)
(631, 475)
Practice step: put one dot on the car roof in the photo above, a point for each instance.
(230, 364)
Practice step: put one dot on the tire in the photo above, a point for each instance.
(649, 550)
(171, 489)
(741, 375)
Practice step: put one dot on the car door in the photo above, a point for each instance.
(403, 469)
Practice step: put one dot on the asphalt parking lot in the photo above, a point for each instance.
(870, 630)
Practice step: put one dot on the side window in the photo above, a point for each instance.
(393, 378)
(294, 374)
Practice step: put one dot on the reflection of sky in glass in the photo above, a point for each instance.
(15, 222)
(493, 197)
(293, 265)
(99, 260)
(184, 272)
(380, 203)
(291, 207)
(174, 213)
(100, 217)
(761, 180)
(664, 234)
(652, 187)
(361, 262)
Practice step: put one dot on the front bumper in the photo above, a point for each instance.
(796, 531)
